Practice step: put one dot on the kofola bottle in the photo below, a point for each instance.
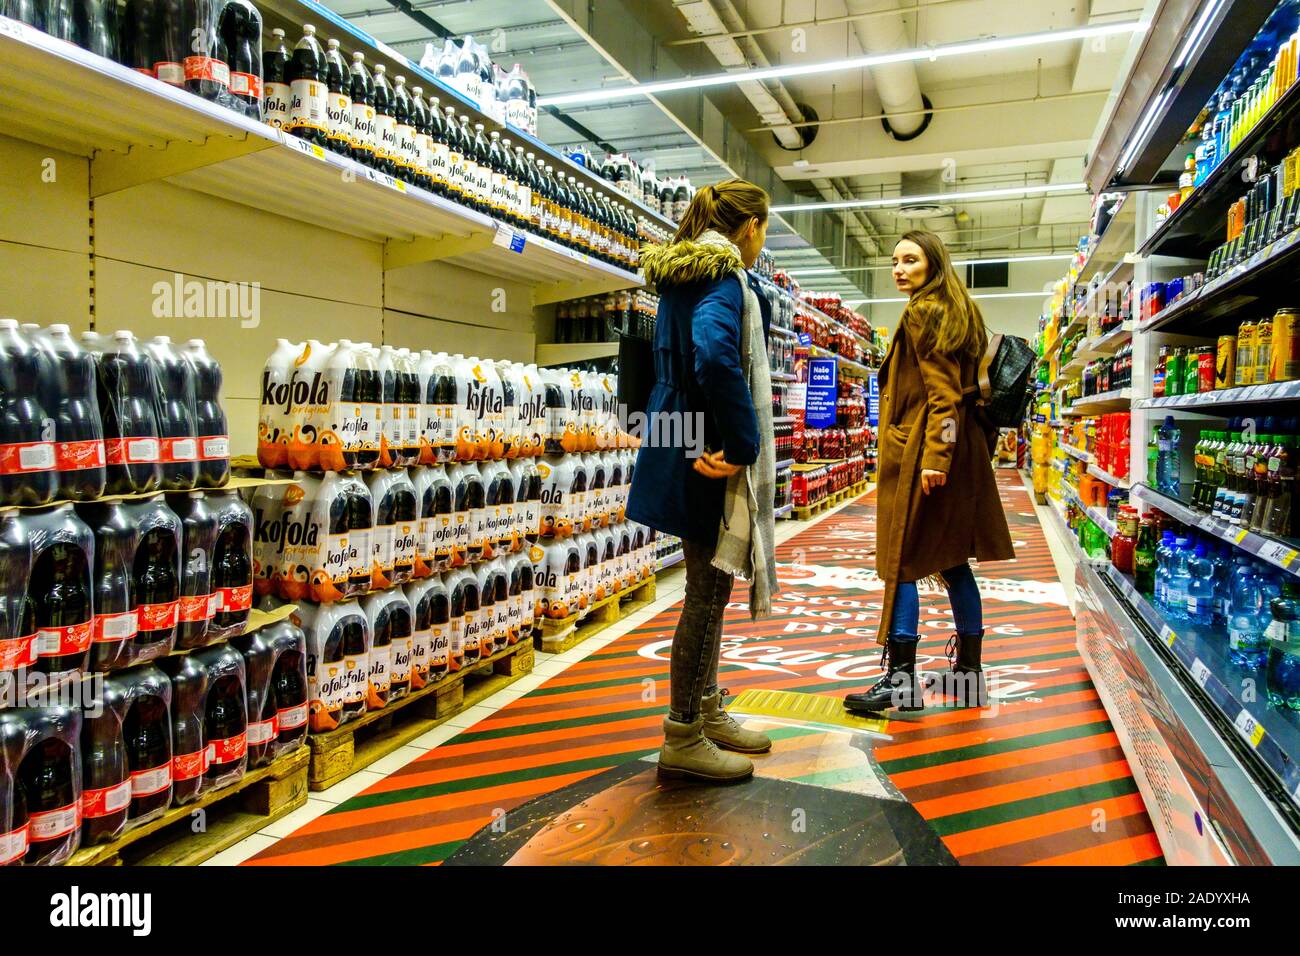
(189, 680)
(439, 168)
(309, 98)
(241, 32)
(365, 149)
(385, 123)
(209, 416)
(147, 733)
(207, 72)
(338, 78)
(105, 778)
(401, 643)
(421, 123)
(356, 643)
(275, 76)
(456, 188)
(404, 134)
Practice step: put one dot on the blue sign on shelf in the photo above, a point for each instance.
(805, 338)
(873, 400)
(822, 393)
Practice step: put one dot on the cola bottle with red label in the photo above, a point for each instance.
(13, 798)
(136, 46)
(170, 41)
(198, 539)
(147, 733)
(112, 642)
(105, 777)
(232, 566)
(225, 716)
(78, 429)
(177, 425)
(240, 27)
(259, 663)
(28, 474)
(156, 577)
(60, 589)
(50, 774)
(189, 680)
(128, 392)
(17, 618)
(209, 417)
(207, 69)
(289, 685)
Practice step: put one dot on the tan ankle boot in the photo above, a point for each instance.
(688, 753)
(722, 729)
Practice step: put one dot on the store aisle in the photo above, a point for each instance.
(1037, 778)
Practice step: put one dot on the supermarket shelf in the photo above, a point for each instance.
(781, 465)
(1196, 226)
(1107, 344)
(1276, 551)
(1097, 515)
(783, 377)
(851, 365)
(1273, 735)
(1078, 453)
(1113, 246)
(1076, 549)
(292, 13)
(784, 333)
(668, 562)
(782, 419)
(1108, 478)
(136, 129)
(565, 353)
(1116, 400)
(1244, 395)
(1267, 279)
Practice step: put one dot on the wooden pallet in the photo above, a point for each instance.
(356, 745)
(564, 634)
(222, 818)
(804, 512)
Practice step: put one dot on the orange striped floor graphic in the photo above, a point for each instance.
(1039, 778)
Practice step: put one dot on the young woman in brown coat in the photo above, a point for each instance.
(937, 499)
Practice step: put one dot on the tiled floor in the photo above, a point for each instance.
(669, 592)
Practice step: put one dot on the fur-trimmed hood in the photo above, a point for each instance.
(708, 258)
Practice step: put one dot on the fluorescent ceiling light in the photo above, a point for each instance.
(937, 197)
(797, 273)
(966, 48)
(1194, 38)
(974, 295)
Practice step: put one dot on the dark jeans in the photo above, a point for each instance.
(698, 638)
(963, 595)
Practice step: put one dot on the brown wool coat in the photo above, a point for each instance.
(928, 420)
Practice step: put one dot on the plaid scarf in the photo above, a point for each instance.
(747, 535)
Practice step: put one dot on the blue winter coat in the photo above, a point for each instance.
(698, 373)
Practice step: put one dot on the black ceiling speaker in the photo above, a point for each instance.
(806, 133)
(925, 123)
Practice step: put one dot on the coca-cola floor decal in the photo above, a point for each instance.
(565, 773)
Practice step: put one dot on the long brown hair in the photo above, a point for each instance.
(724, 207)
(942, 307)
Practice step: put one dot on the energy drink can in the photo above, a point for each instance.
(1245, 372)
(1285, 364)
(1263, 350)
(1226, 365)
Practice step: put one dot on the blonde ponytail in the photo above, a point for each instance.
(724, 207)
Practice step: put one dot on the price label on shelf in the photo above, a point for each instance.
(507, 238)
(1249, 728)
(1277, 553)
(1206, 523)
(1168, 636)
(302, 146)
(1200, 672)
(13, 28)
(1286, 242)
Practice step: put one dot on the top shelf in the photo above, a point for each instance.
(1198, 226)
(136, 130)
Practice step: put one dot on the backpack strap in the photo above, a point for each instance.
(983, 389)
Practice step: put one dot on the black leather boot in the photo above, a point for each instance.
(965, 681)
(898, 687)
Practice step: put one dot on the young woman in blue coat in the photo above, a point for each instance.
(679, 490)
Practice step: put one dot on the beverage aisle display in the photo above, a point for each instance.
(440, 507)
(133, 675)
(1170, 410)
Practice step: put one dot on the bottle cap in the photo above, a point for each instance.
(59, 328)
(308, 30)
(332, 44)
(277, 32)
(358, 57)
(380, 68)
(195, 344)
